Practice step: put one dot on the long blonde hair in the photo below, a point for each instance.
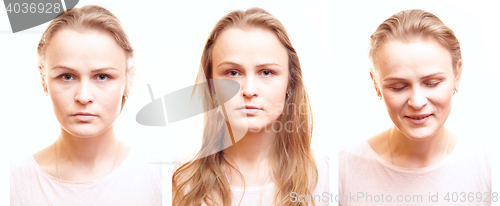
(202, 180)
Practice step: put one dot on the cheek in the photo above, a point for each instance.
(61, 96)
(111, 98)
(394, 102)
(275, 103)
(275, 91)
(277, 106)
(442, 100)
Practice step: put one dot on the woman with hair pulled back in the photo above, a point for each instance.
(417, 67)
(256, 145)
(85, 62)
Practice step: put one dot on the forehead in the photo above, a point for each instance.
(89, 49)
(419, 57)
(249, 46)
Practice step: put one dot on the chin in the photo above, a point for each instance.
(418, 138)
(247, 127)
(418, 134)
(84, 131)
(255, 129)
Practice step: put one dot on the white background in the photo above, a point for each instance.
(331, 39)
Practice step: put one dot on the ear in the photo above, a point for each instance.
(288, 92)
(458, 74)
(125, 96)
(44, 82)
(126, 91)
(375, 84)
(128, 82)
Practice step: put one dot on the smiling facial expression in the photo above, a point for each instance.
(416, 80)
(85, 77)
(257, 60)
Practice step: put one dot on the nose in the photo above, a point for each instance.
(84, 94)
(249, 87)
(418, 99)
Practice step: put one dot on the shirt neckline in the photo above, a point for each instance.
(116, 170)
(411, 170)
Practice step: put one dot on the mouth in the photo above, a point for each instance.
(84, 116)
(250, 109)
(418, 118)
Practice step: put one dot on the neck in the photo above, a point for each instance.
(412, 153)
(86, 151)
(254, 148)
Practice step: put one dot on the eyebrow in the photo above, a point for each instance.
(60, 67)
(268, 64)
(104, 69)
(424, 77)
(93, 70)
(226, 62)
(260, 65)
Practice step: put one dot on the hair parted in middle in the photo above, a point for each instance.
(202, 179)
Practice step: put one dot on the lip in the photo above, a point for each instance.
(84, 116)
(418, 118)
(250, 109)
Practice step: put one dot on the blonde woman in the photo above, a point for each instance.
(256, 145)
(417, 68)
(85, 66)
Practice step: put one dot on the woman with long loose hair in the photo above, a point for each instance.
(256, 145)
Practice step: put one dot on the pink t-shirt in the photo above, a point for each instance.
(264, 195)
(462, 178)
(134, 182)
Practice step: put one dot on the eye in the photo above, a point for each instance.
(102, 77)
(232, 73)
(66, 77)
(398, 88)
(267, 73)
(432, 84)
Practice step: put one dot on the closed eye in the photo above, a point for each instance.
(432, 84)
(398, 88)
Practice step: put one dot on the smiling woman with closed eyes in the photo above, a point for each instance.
(85, 66)
(417, 68)
(256, 145)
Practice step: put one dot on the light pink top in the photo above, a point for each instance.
(462, 178)
(264, 195)
(134, 182)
